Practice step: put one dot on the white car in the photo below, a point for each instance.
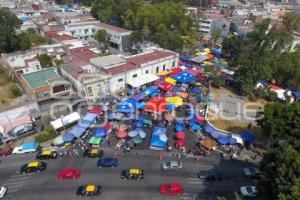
(171, 165)
(3, 191)
(248, 191)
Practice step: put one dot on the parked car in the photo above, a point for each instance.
(252, 172)
(6, 151)
(171, 165)
(68, 174)
(47, 154)
(26, 148)
(209, 175)
(3, 191)
(171, 189)
(248, 191)
(107, 162)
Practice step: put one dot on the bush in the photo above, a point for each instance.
(44, 137)
(15, 91)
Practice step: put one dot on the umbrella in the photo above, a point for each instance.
(199, 119)
(68, 137)
(139, 124)
(132, 133)
(180, 135)
(180, 143)
(137, 140)
(58, 141)
(141, 133)
(179, 127)
(99, 132)
(122, 134)
(163, 137)
(248, 136)
(124, 107)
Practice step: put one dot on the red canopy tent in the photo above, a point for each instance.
(96, 110)
(122, 134)
(194, 72)
(180, 143)
(164, 86)
(180, 135)
(199, 119)
(175, 71)
(107, 127)
(156, 105)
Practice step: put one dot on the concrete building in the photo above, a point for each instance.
(45, 84)
(119, 38)
(213, 19)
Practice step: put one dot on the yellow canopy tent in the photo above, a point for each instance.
(163, 73)
(207, 50)
(170, 80)
(175, 100)
(207, 63)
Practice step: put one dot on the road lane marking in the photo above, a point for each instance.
(15, 183)
(18, 178)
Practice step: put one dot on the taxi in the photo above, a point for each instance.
(93, 152)
(89, 190)
(34, 166)
(68, 174)
(46, 154)
(132, 173)
(171, 189)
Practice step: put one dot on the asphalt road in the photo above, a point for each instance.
(46, 186)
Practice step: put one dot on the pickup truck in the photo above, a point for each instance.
(26, 148)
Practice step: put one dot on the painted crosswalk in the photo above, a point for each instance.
(194, 181)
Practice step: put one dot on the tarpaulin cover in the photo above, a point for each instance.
(170, 80)
(247, 136)
(196, 90)
(164, 86)
(208, 128)
(215, 134)
(155, 142)
(156, 105)
(183, 77)
(176, 71)
(175, 100)
(89, 117)
(150, 90)
(68, 137)
(170, 106)
(84, 124)
(179, 127)
(185, 58)
(226, 140)
(124, 107)
(132, 102)
(30, 145)
(77, 131)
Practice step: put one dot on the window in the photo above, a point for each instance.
(147, 71)
(173, 64)
(157, 69)
(89, 90)
(120, 80)
(134, 75)
(164, 67)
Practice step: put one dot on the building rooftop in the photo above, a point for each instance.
(113, 28)
(58, 36)
(107, 62)
(42, 78)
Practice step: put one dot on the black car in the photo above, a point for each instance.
(209, 175)
(34, 166)
(89, 190)
(93, 152)
(132, 173)
(46, 154)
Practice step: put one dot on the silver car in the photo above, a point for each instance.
(171, 165)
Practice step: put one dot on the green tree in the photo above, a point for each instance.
(15, 91)
(8, 38)
(24, 41)
(280, 174)
(215, 35)
(291, 22)
(232, 48)
(102, 37)
(45, 60)
(218, 81)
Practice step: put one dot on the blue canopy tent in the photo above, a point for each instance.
(155, 142)
(215, 134)
(183, 77)
(139, 124)
(232, 140)
(99, 132)
(208, 128)
(179, 121)
(150, 90)
(124, 107)
(115, 116)
(247, 136)
(170, 106)
(84, 124)
(179, 127)
(196, 90)
(77, 131)
(195, 127)
(139, 97)
(216, 52)
(141, 105)
(223, 140)
(89, 117)
(132, 102)
(185, 58)
(188, 65)
(68, 137)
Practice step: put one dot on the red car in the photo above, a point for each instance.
(69, 174)
(171, 189)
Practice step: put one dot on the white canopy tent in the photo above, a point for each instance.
(142, 80)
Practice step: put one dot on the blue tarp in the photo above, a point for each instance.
(155, 142)
(141, 105)
(185, 58)
(247, 136)
(124, 107)
(179, 127)
(215, 134)
(77, 131)
(99, 132)
(132, 102)
(28, 146)
(196, 90)
(183, 77)
(170, 106)
(84, 124)
(296, 94)
(68, 137)
(232, 140)
(208, 128)
(226, 140)
(216, 51)
(89, 117)
(139, 97)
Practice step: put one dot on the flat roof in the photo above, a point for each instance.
(42, 78)
(107, 62)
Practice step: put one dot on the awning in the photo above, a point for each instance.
(99, 132)
(77, 131)
(247, 136)
(68, 137)
(170, 80)
(142, 80)
(175, 100)
(96, 110)
(163, 73)
(89, 117)
(208, 128)
(164, 86)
